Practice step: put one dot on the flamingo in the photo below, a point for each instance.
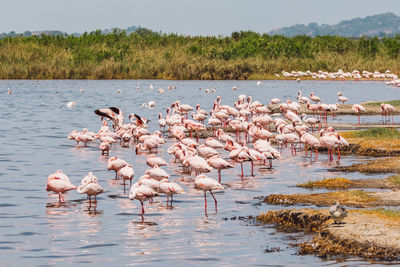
(157, 173)
(315, 98)
(302, 99)
(240, 155)
(206, 151)
(105, 148)
(211, 142)
(89, 185)
(162, 122)
(148, 144)
(71, 104)
(85, 137)
(142, 193)
(116, 164)
(59, 183)
(153, 160)
(126, 173)
(110, 113)
(310, 141)
(330, 142)
(358, 108)
(310, 121)
(198, 164)
(205, 184)
(150, 182)
(386, 110)
(219, 163)
(170, 188)
(342, 98)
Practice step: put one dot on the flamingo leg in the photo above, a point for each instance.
(219, 175)
(141, 202)
(172, 199)
(270, 163)
(252, 169)
(316, 154)
(241, 166)
(215, 200)
(167, 200)
(59, 197)
(338, 150)
(205, 204)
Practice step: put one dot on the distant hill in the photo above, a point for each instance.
(128, 31)
(387, 24)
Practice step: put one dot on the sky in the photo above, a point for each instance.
(188, 17)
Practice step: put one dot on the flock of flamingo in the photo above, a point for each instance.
(248, 130)
(340, 74)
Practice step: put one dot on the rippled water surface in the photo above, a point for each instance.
(37, 230)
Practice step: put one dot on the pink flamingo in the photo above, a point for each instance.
(105, 148)
(157, 173)
(310, 141)
(142, 193)
(358, 108)
(211, 142)
(154, 160)
(161, 121)
(116, 164)
(386, 110)
(89, 185)
(205, 184)
(59, 183)
(126, 173)
(310, 121)
(206, 151)
(219, 163)
(170, 188)
(315, 98)
(330, 142)
(198, 164)
(149, 143)
(342, 98)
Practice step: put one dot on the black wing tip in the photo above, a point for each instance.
(114, 109)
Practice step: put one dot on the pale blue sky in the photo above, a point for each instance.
(202, 17)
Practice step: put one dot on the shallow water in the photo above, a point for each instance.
(36, 230)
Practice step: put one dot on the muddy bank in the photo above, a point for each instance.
(362, 234)
(384, 165)
(392, 182)
(354, 198)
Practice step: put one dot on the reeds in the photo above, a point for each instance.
(149, 55)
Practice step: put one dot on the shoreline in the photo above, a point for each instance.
(262, 78)
(363, 234)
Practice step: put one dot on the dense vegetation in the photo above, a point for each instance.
(146, 55)
(381, 25)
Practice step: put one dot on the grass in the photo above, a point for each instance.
(151, 55)
(355, 198)
(385, 165)
(375, 141)
(374, 133)
(378, 103)
(394, 179)
(331, 183)
(388, 213)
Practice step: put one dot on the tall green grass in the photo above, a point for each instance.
(149, 55)
(378, 103)
(377, 133)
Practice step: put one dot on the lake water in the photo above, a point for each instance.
(37, 230)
